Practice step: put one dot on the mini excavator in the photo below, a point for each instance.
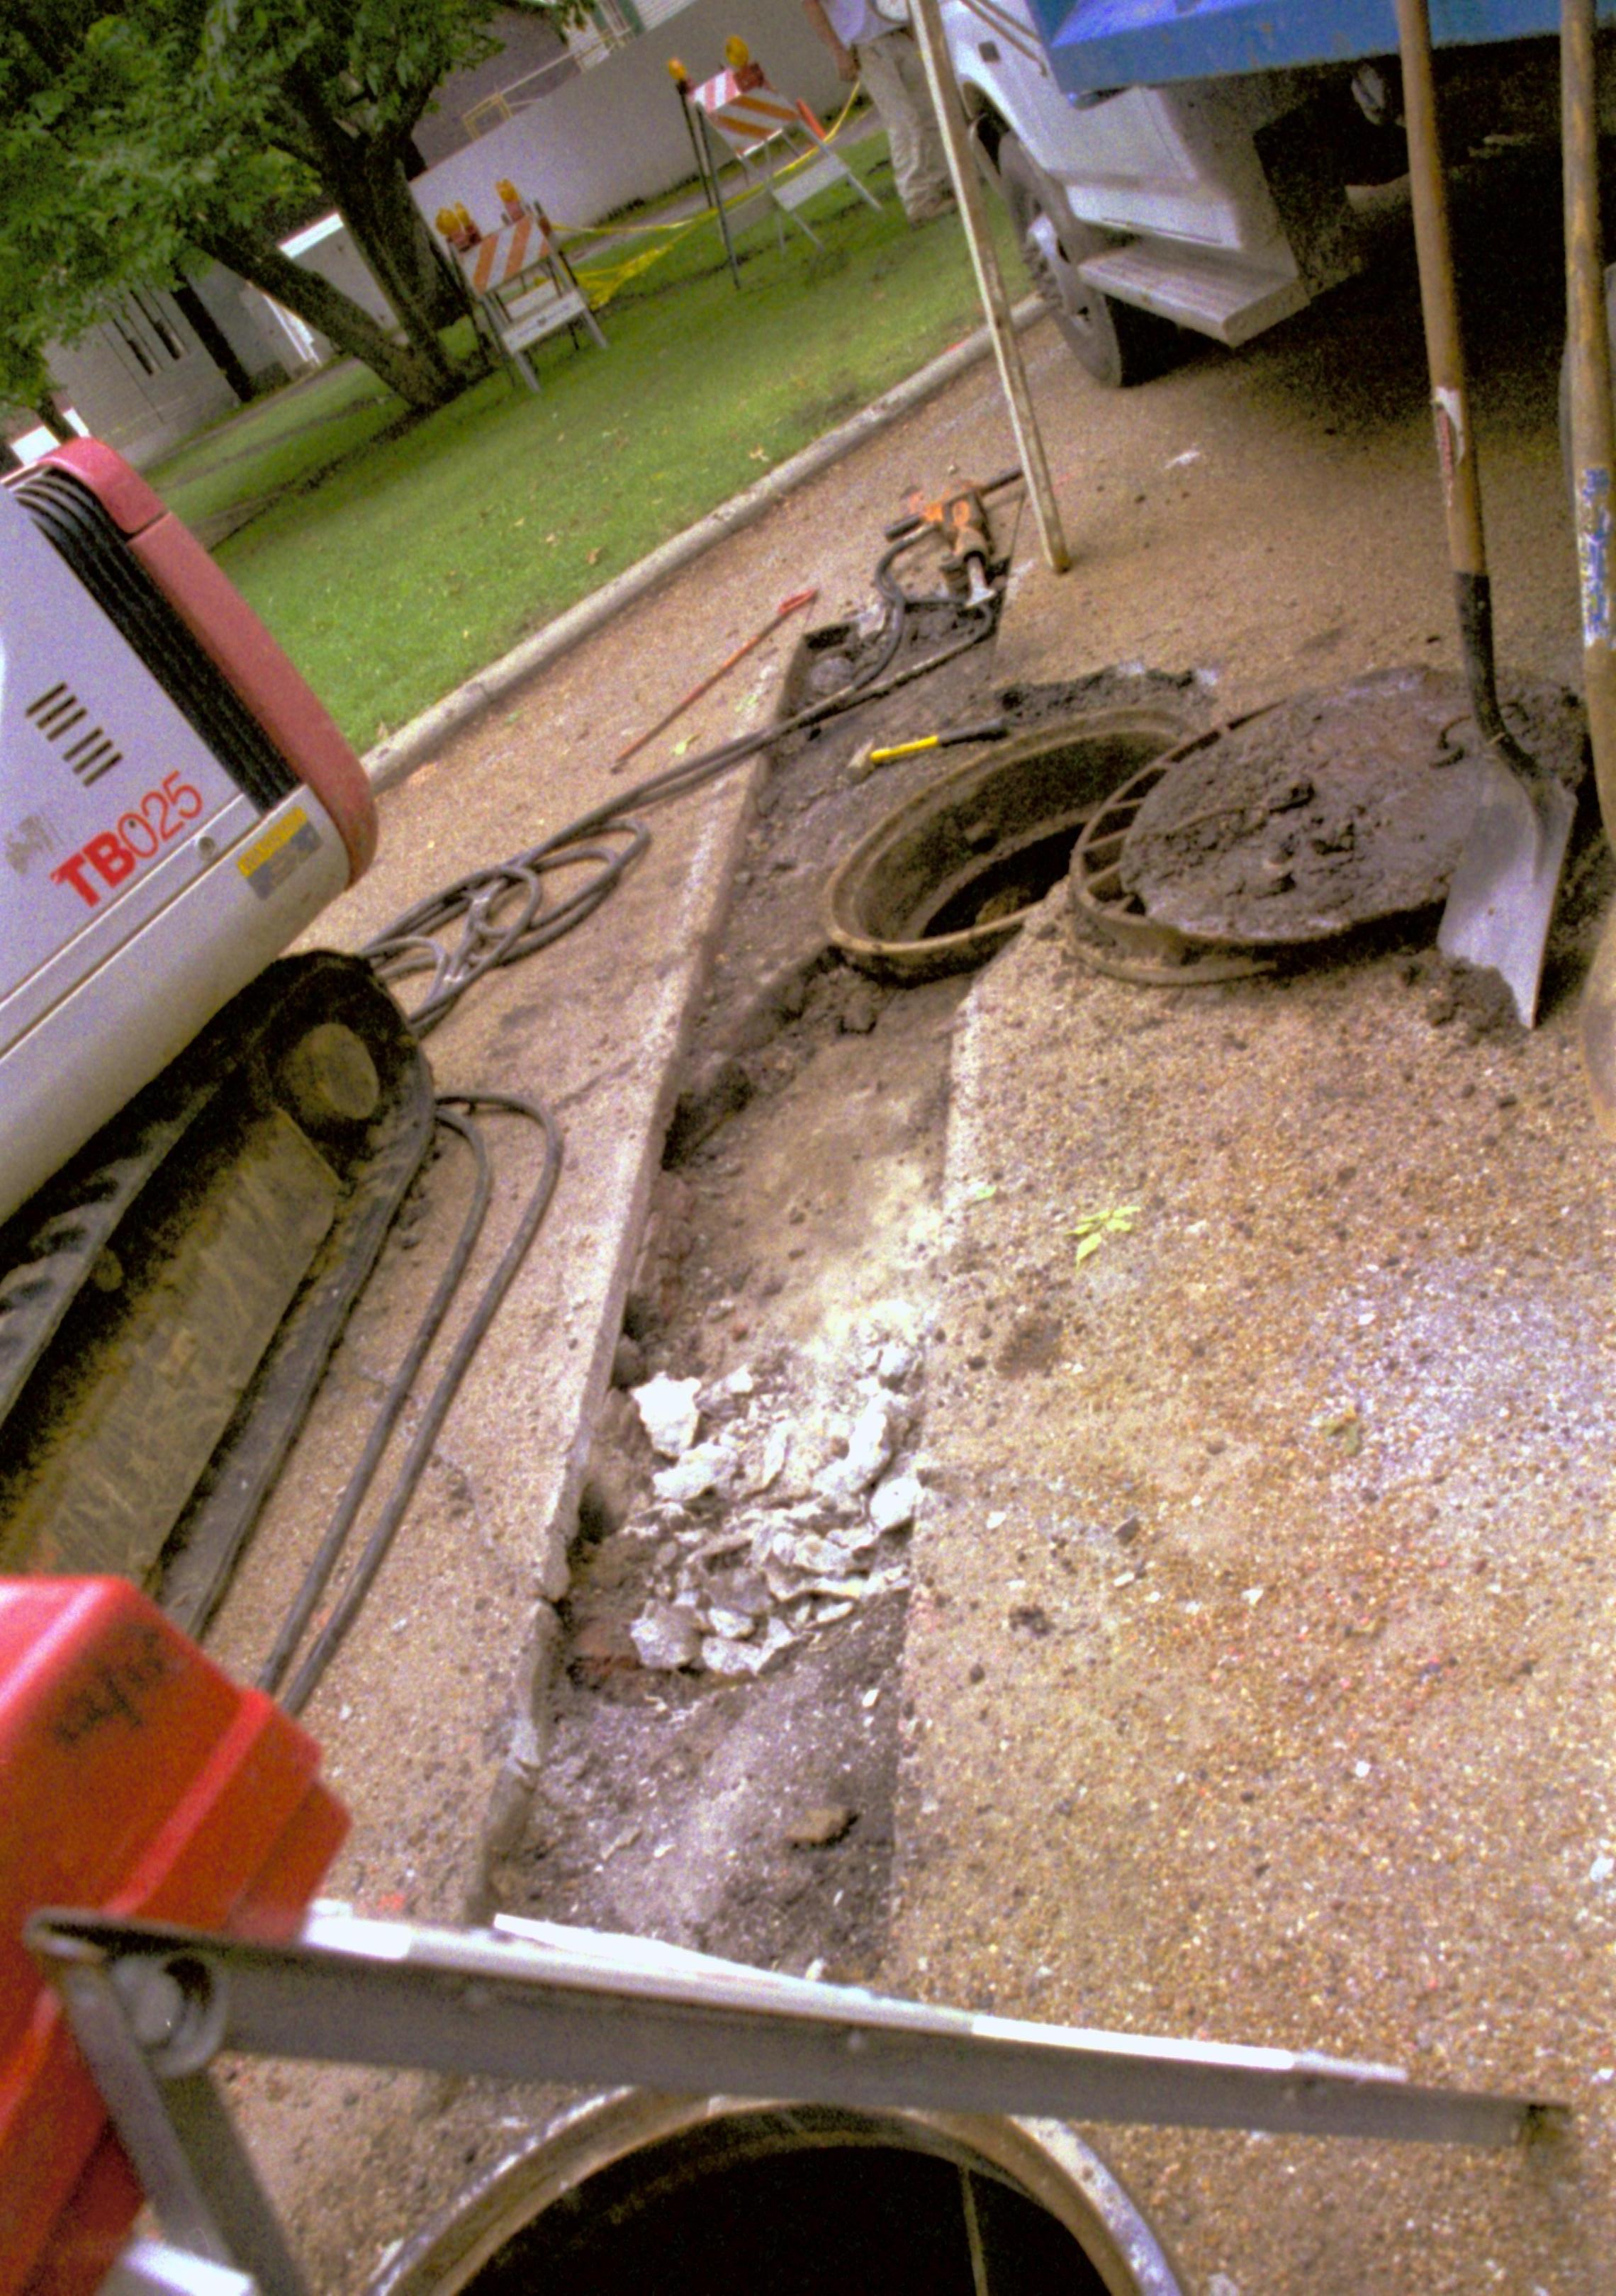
(202, 1140)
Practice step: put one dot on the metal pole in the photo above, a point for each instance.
(1504, 884)
(693, 112)
(926, 17)
(1445, 357)
(683, 86)
(616, 2010)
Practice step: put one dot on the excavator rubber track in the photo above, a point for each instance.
(168, 1302)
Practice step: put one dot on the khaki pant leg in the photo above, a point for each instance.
(893, 73)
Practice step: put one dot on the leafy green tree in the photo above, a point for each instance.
(136, 139)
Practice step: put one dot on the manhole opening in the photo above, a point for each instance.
(1010, 884)
(815, 2219)
(951, 872)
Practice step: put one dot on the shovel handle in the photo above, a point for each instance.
(1593, 428)
(1593, 458)
(1449, 392)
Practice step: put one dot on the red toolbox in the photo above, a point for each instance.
(136, 1779)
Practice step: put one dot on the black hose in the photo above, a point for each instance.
(374, 1553)
(329, 1553)
(497, 914)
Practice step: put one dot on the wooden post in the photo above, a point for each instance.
(926, 17)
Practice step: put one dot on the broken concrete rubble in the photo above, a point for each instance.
(895, 1503)
(869, 1451)
(668, 1412)
(665, 1638)
(706, 1467)
(747, 1559)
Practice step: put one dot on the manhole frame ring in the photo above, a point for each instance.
(1110, 929)
(929, 959)
(1046, 2160)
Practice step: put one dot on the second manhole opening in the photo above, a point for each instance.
(638, 2195)
(949, 875)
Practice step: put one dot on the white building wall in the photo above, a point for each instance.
(617, 133)
(243, 317)
(327, 247)
(144, 381)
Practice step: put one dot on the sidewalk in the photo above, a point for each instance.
(1261, 1674)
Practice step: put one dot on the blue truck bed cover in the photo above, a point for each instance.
(1100, 45)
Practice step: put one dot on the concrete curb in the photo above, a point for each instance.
(394, 761)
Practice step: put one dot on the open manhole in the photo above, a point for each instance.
(636, 2195)
(950, 875)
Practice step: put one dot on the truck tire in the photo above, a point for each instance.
(1117, 344)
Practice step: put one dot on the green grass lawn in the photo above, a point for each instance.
(276, 443)
(430, 551)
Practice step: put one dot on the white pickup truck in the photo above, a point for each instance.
(1204, 164)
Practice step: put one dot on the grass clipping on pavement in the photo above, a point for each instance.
(430, 550)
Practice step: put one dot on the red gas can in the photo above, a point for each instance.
(135, 1779)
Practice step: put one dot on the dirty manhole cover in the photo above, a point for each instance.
(1329, 810)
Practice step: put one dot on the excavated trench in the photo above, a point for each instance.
(789, 1271)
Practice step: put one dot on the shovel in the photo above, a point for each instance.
(1593, 457)
(1501, 901)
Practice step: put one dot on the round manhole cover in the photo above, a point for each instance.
(1329, 810)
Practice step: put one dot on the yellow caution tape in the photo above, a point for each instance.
(601, 281)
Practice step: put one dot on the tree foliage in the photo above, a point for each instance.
(137, 140)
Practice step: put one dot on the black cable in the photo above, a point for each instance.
(411, 943)
(329, 1553)
(499, 912)
(374, 1553)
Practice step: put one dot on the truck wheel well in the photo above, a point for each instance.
(989, 128)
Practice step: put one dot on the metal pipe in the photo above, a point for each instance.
(693, 112)
(926, 19)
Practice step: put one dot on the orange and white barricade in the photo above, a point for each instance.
(525, 286)
(775, 137)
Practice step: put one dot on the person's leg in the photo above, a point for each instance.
(917, 157)
(932, 187)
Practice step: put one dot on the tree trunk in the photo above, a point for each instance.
(417, 243)
(364, 176)
(375, 203)
(422, 382)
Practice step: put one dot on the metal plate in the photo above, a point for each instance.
(1328, 811)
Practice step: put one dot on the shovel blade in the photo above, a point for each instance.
(1501, 902)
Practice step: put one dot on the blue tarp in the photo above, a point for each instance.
(1111, 43)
